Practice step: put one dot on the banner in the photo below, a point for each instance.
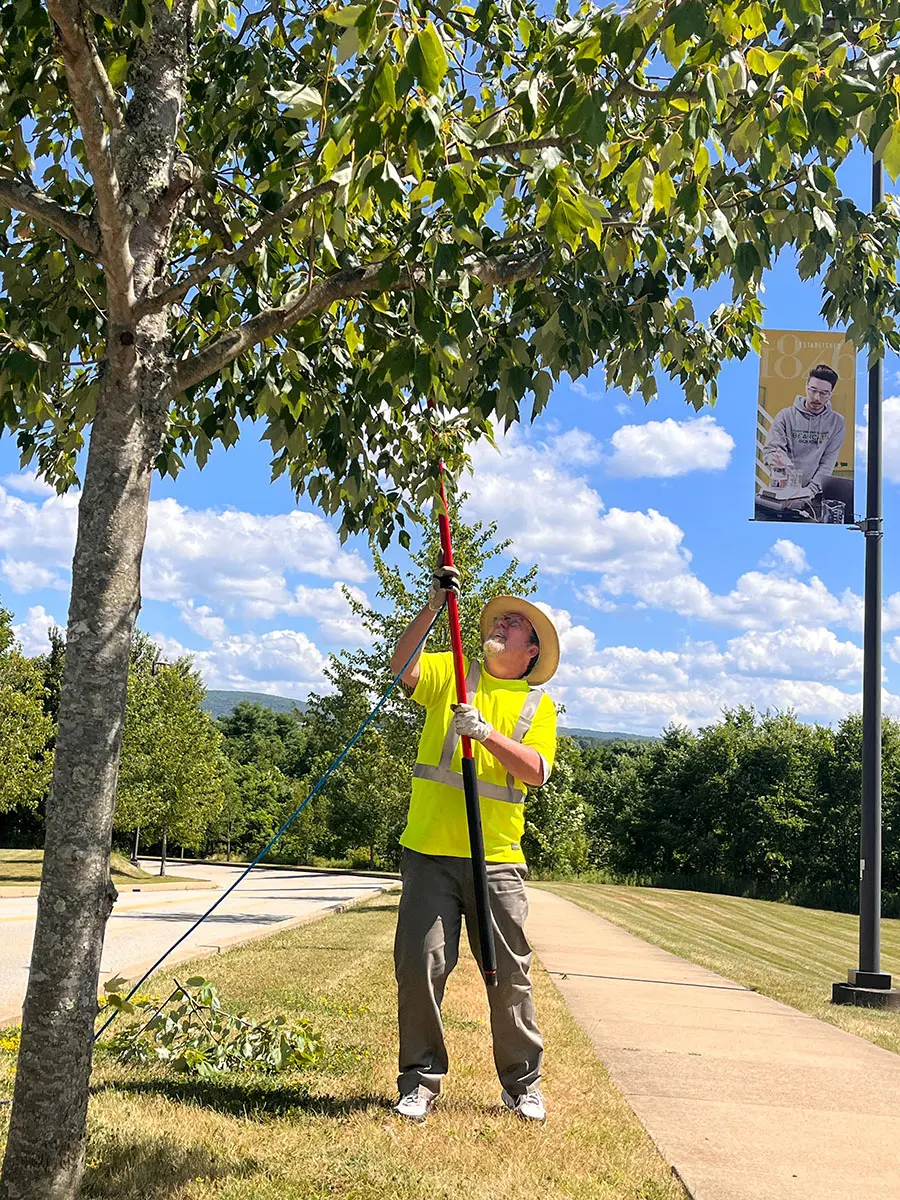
(805, 428)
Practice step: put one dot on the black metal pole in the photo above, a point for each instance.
(870, 826)
(868, 985)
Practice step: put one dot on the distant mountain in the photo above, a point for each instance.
(220, 704)
(604, 735)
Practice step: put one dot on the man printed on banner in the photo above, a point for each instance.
(805, 439)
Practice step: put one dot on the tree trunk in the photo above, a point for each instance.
(162, 855)
(228, 846)
(45, 1152)
(137, 843)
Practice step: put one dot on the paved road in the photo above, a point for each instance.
(145, 923)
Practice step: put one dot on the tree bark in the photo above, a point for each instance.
(137, 843)
(45, 1152)
(138, 191)
(162, 855)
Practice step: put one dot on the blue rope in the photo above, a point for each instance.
(288, 823)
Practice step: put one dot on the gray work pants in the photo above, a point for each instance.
(437, 893)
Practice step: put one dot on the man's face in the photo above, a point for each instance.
(510, 634)
(818, 393)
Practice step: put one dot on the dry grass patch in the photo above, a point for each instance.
(23, 868)
(329, 1132)
(791, 954)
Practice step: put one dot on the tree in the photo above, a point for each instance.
(26, 743)
(318, 217)
(555, 839)
(170, 780)
(254, 733)
(25, 730)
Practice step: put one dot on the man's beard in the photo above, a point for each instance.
(493, 646)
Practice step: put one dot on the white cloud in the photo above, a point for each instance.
(32, 633)
(200, 619)
(786, 555)
(24, 576)
(26, 483)
(810, 653)
(890, 433)
(281, 662)
(805, 668)
(662, 449)
(560, 521)
(242, 559)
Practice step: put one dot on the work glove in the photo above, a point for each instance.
(444, 580)
(468, 722)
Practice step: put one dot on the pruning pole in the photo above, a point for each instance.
(469, 773)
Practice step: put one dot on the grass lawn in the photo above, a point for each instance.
(21, 868)
(329, 1132)
(791, 954)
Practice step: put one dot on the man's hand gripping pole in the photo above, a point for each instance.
(469, 774)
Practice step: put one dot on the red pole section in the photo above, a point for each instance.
(469, 773)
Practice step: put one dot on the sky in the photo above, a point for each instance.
(670, 602)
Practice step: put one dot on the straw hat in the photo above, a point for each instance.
(548, 659)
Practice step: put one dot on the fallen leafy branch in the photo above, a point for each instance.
(195, 1034)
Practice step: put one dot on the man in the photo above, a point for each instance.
(805, 440)
(513, 728)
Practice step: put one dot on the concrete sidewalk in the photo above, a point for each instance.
(746, 1098)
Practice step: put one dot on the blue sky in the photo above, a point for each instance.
(670, 602)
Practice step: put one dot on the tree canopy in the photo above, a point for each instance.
(362, 206)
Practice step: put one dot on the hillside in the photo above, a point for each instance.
(220, 703)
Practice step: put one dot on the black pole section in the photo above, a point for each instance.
(479, 870)
(870, 827)
(868, 986)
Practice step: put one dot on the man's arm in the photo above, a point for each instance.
(409, 640)
(829, 456)
(777, 438)
(522, 762)
(444, 579)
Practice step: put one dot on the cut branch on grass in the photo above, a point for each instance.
(346, 284)
(24, 197)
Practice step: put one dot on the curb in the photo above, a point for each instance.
(264, 866)
(135, 970)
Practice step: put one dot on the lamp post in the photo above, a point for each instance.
(867, 985)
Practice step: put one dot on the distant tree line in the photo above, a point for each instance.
(755, 804)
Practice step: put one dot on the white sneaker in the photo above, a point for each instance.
(415, 1105)
(530, 1106)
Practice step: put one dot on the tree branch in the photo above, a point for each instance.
(512, 149)
(84, 84)
(502, 271)
(25, 198)
(226, 258)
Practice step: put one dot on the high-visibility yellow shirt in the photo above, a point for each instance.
(437, 813)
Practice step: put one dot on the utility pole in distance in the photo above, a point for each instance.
(868, 986)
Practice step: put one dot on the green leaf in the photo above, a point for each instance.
(346, 16)
(348, 44)
(891, 152)
(301, 101)
(663, 192)
(722, 229)
(427, 59)
(117, 70)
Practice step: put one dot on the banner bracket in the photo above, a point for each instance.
(869, 526)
